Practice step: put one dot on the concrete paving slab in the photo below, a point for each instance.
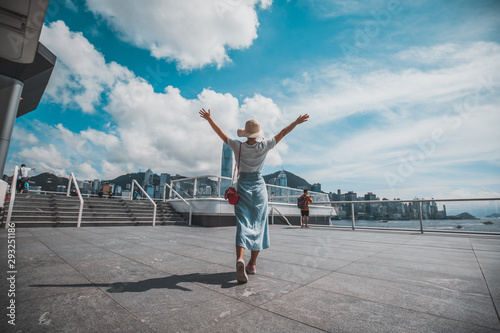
(202, 316)
(257, 320)
(447, 280)
(422, 297)
(38, 282)
(87, 310)
(259, 290)
(488, 244)
(467, 270)
(496, 303)
(319, 260)
(121, 269)
(182, 279)
(333, 312)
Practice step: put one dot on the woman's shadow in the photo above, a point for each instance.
(225, 280)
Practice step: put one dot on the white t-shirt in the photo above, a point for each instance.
(24, 172)
(252, 156)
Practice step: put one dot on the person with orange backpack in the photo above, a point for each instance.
(303, 203)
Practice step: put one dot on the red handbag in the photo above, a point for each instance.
(231, 194)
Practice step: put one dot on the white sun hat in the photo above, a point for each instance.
(251, 130)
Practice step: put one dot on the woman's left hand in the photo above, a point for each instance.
(205, 114)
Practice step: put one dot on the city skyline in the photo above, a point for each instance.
(393, 209)
(403, 96)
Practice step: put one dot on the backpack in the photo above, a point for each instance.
(301, 202)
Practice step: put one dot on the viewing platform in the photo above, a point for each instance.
(182, 279)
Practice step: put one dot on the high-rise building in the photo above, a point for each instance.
(96, 186)
(370, 208)
(148, 178)
(226, 168)
(281, 193)
(351, 196)
(370, 196)
(316, 187)
(282, 181)
(108, 188)
(150, 190)
(164, 179)
(227, 161)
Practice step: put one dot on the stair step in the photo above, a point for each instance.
(95, 224)
(53, 210)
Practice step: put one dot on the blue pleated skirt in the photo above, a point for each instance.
(252, 230)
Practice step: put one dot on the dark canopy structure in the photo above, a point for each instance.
(25, 64)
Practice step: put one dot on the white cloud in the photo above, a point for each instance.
(86, 171)
(23, 137)
(339, 91)
(193, 33)
(47, 157)
(433, 88)
(165, 129)
(379, 120)
(162, 131)
(81, 73)
(265, 111)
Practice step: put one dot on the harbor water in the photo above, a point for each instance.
(484, 224)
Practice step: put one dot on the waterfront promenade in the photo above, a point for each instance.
(181, 279)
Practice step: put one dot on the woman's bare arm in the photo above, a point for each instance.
(289, 128)
(206, 115)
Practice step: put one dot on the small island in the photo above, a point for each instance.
(462, 216)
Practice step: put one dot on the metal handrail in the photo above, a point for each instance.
(419, 201)
(80, 212)
(132, 193)
(187, 203)
(195, 183)
(13, 189)
(411, 200)
(268, 186)
(283, 216)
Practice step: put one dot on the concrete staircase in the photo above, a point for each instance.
(31, 210)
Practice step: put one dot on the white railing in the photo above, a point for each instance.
(419, 202)
(184, 200)
(80, 212)
(282, 216)
(192, 187)
(140, 187)
(13, 190)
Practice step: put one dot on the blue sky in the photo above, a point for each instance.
(403, 95)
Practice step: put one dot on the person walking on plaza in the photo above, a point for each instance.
(304, 212)
(251, 210)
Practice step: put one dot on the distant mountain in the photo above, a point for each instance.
(139, 177)
(493, 215)
(127, 179)
(48, 181)
(463, 216)
(292, 180)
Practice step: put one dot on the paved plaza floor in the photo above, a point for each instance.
(182, 279)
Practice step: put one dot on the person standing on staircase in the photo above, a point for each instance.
(23, 176)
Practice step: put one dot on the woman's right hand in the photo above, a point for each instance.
(302, 118)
